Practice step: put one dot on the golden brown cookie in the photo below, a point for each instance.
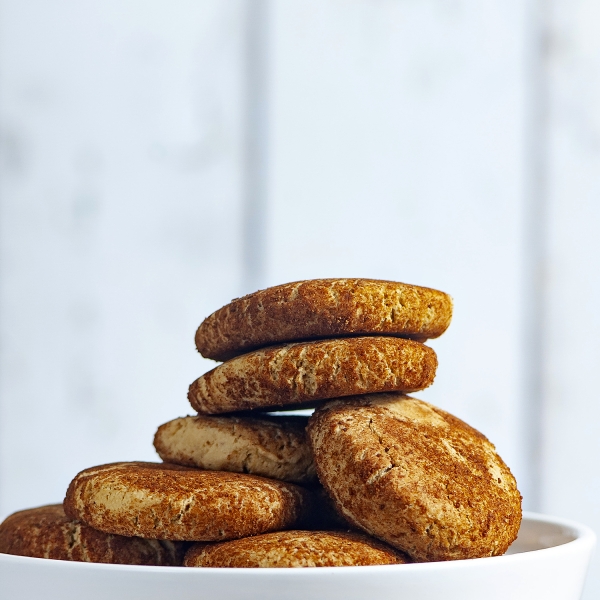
(46, 532)
(307, 371)
(164, 501)
(415, 477)
(295, 549)
(323, 308)
(271, 446)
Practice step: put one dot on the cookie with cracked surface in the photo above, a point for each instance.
(323, 308)
(305, 372)
(415, 477)
(271, 446)
(171, 502)
(46, 532)
(295, 549)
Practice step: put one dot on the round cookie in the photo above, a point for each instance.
(295, 549)
(171, 502)
(299, 373)
(415, 477)
(271, 446)
(323, 308)
(46, 532)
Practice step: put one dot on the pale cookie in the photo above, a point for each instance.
(164, 501)
(273, 447)
(323, 308)
(46, 532)
(295, 549)
(415, 477)
(307, 371)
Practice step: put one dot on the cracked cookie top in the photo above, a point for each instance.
(46, 532)
(171, 502)
(415, 477)
(305, 372)
(323, 308)
(296, 549)
(271, 446)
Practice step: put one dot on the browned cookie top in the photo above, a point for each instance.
(269, 446)
(308, 371)
(416, 477)
(322, 308)
(172, 502)
(46, 532)
(295, 549)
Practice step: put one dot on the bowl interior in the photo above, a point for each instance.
(538, 534)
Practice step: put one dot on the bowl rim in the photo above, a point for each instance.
(584, 538)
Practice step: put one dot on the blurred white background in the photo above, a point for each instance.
(160, 158)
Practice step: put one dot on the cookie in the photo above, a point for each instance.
(323, 308)
(294, 374)
(46, 532)
(415, 477)
(273, 447)
(295, 549)
(171, 502)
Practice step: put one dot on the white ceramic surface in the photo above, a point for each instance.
(547, 562)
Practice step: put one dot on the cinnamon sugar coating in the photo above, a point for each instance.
(46, 532)
(271, 446)
(415, 477)
(323, 308)
(295, 549)
(305, 372)
(165, 501)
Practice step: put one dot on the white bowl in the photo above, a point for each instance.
(548, 561)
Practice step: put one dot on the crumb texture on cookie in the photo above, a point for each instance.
(273, 447)
(46, 532)
(303, 372)
(172, 502)
(295, 549)
(321, 308)
(415, 477)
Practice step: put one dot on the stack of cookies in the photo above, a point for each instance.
(372, 477)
